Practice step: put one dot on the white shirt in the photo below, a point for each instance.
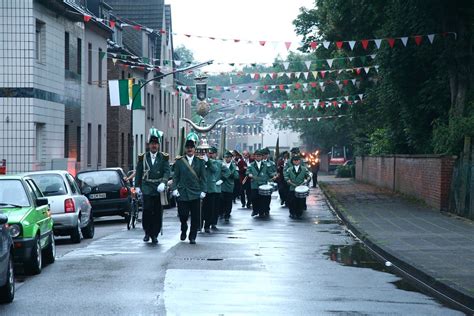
(259, 163)
(190, 160)
(297, 168)
(227, 164)
(247, 162)
(153, 157)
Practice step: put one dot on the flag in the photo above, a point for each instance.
(277, 149)
(119, 92)
(137, 102)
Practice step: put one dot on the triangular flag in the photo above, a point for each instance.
(114, 60)
(377, 68)
(365, 44)
(112, 24)
(288, 74)
(361, 96)
(306, 75)
(378, 42)
(308, 64)
(367, 69)
(326, 44)
(329, 61)
(313, 45)
(351, 58)
(253, 91)
(313, 84)
(391, 42)
(177, 62)
(87, 18)
(404, 40)
(352, 44)
(323, 74)
(305, 85)
(287, 45)
(297, 74)
(315, 74)
(297, 85)
(262, 43)
(286, 65)
(353, 81)
(339, 44)
(323, 88)
(418, 39)
(431, 38)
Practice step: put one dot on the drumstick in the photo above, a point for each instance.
(244, 180)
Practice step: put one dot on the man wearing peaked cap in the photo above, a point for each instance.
(228, 176)
(152, 173)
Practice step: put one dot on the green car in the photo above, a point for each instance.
(30, 222)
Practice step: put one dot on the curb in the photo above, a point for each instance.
(423, 281)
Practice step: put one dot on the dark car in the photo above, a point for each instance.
(106, 190)
(7, 280)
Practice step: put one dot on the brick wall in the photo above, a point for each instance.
(426, 177)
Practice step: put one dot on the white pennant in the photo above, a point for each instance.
(339, 86)
(114, 60)
(177, 62)
(305, 89)
(353, 81)
(252, 75)
(358, 84)
(329, 61)
(273, 86)
(263, 74)
(404, 40)
(431, 38)
(297, 75)
(351, 58)
(338, 81)
(287, 91)
(361, 96)
(286, 65)
(373, 56)
(318, 118)
(347, 98)
(253, 91)
(308, 64)
(326, 44)
(339, 105)
(367, 69)
(323, 88)
(377, 68)
(305, 85)
(315, 74)
(352, 44)
(288, 74)
(321, 84)
(378, 42)
(306, 75)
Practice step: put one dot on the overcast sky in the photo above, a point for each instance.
(268, 20)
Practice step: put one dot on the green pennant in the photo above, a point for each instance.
(101, 55)
(137, 103)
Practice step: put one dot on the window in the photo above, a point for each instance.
(39, 41)
(100, 67)
(66, 141)
(123, 74)
(148, 104)
(89, 144)
(122, 149)
(152, 107)
(66, 51)
(78, 143)
(141, 143)
(72, 184)
(79, 56)
(99, 145)
(136, 144)
(89, 64)
(161, 102)
(39, 141)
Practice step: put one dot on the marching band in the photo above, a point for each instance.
(206, 187)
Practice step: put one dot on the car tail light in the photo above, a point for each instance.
(69, 206)
(123, 192)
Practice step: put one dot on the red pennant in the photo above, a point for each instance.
(313, 45)
(322, 104)
(87, 18)
(262, 43)
(218, 88)
(137, 27)
(391, 42)
(313, 84)
(176, 93)
(358, 70)
(269, 105)
(283, 106)
(365, 44)
(418, 40)
(162, 31)
(257, 76)
(297, 85)
(287, 45)
(282, 87)
(112, 24)
(274, 75)
(323, 73)
(236, 40)
(265, 87)
(339, 44)
(334, 103)
(345, 82)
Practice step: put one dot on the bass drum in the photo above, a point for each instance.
(265, 190)
(301, 191)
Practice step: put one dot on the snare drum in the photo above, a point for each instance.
(301, 191)
(265, 190)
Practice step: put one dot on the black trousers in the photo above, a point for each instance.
(227, 203)
(152, 215)
(283, 190)
(296, 205)
(209, 210)
(237, 188)
(260, 203)
(246, 192)
(193, 208)
(315, 179)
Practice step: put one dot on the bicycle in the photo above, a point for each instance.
(134, 209)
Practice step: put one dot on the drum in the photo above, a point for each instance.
(301, 191)
(265, 190)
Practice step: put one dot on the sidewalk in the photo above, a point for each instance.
(435, 248)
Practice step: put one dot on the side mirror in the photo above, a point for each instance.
(3, 219)
(41, 201)
(86, 190)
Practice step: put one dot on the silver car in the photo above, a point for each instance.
(71, 211)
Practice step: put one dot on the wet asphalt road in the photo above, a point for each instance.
(274, 266)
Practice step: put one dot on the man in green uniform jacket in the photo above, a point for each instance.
(152, 173)
(260, 174)
(189, 186)
(296, 175)
(228, 176)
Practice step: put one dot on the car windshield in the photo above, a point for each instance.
(13, 193)
(97, 178)
(50, 184)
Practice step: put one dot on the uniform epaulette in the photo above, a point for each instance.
(178, 157)
(165, 156)
(140, 157)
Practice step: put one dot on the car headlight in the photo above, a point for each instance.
(15, 230)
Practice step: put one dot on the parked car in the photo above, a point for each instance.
(30, 222)
(106, 190)
(7, 279)
(71, 211)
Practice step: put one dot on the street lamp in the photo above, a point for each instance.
(138, 92)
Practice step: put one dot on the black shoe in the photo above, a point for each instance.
(254, 213)
(146, 238)
(192, 241)
(154, 240)
(183, 236)
(292, 216)
(249, 206)
(207, 230)
(226, 220)
(282, 203)
(214, 227)
(243, 205)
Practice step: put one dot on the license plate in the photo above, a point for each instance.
(97, 196)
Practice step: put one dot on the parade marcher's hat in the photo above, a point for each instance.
(265, 151)
(295, 150)
(213, 150)
(258, 153)
(190, 143)
(236, 153)
(154, 135)
(192, 136)
(296, 157)
(228, 154)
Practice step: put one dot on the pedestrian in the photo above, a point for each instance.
(210, 204)
(152, 173)
(246, 191)
(228, 176)
(259, 174)
(295, 176)
(189, 187)
(237, 185)
(314, 171)
(282, 184)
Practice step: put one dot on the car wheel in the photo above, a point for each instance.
(35, 264)
(50, 251)
(76, 234)
(89, 230)
(7, 292)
